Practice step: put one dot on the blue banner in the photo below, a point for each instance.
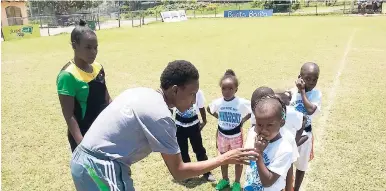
(248, 13)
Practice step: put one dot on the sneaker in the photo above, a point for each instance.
(222, 184)
(236, 186)
(186, 180)
(209, 177)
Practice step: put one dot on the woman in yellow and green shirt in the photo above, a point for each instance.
(81, 85)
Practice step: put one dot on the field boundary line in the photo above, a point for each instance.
(330, 101)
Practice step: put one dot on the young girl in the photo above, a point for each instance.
(232, 112)
(81, 85)
(269, 171)
(189, 127)
(291, 129)
(307, 100)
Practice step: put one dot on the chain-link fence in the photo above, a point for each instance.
(137, 14)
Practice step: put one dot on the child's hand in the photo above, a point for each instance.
(260, 144)
(300, 84)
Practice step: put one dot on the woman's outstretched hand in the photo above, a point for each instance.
(240, 156)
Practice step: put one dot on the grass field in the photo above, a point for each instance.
(350, 134)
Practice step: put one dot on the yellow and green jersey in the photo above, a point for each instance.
(88, 90)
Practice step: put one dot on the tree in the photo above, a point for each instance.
(61, 7)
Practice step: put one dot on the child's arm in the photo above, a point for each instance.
(302, 140)
(212, 114)
(300, 132)
(310, 107)
(246, 118)
(266, 176)
(203, 117)
(279, 166)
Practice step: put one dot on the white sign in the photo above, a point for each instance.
(174, 16)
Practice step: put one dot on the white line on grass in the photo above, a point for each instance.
(330, 101)
(368, 50)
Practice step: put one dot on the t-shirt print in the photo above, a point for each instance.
(253, 182)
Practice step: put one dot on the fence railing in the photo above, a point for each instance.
(57, 24)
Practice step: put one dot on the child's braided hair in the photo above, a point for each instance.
(283, 106)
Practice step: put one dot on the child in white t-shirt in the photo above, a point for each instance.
(293, 129)
(232, 112)
(189, 127)
(268, 173)
(307, 100)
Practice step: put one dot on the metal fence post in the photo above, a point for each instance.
(119, 17)
(344, 7)
(215, 12)
(132, 19)
(316, 8)
(143, 18)
(289, 9)
(99, 24)
(194, 13)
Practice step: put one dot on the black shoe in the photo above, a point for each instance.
(186, 180)
(209, 177)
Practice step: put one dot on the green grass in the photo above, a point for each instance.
(350, 150)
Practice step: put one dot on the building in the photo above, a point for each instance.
(14, 12)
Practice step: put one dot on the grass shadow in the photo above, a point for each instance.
(194, 182)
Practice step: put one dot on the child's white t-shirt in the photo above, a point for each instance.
(314, 96)
(230, 113)
(192, 111)
(293, 123)
(277, 158)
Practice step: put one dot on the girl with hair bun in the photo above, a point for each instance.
(232, 112)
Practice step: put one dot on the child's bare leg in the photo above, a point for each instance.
(298, 179)
(238, 171)
(224, 172)
(290, 176)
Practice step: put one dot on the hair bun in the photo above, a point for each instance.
(82, 23)
(230, 72)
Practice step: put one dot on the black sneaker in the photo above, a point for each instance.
(186, 180)
(209, 177)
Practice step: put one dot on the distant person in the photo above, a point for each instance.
(270, 169)
(307, 100)
(137, 123)
(81, 85)
(232, 112)
(189, 128)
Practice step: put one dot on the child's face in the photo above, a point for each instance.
(268, 123)
(228, 88)
(310, 78)
(87, 48)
